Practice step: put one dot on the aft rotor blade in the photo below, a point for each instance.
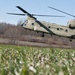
(16, 14)
(61, 11)
(47, 15)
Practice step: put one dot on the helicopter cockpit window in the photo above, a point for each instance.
(25, 22)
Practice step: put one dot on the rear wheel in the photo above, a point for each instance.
(70, 40)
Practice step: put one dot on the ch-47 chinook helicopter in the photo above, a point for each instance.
(50, 28)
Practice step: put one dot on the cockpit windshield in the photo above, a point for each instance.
(25, 22)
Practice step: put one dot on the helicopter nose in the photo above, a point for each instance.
(22, 24)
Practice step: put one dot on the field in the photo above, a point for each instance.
(24, 60)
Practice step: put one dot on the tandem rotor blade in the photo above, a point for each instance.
(47, 15)
(36, 14)
(24, 11)
(61, 11)
(31, 15)
(16, 14)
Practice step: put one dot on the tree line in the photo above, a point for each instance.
(13, 32)
(16, 32)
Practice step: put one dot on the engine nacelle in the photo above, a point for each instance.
(71, 24)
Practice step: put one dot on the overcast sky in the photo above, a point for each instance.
(37, 7)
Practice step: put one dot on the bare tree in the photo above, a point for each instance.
(12, 33)
(2, 28)
(20, 22)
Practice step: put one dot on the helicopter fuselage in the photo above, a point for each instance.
(50, 28)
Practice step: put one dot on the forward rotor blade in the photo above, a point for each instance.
(61, 11)
(47, 15)
(35, 15)
(24, 11)
(31, 15)
(16, 14)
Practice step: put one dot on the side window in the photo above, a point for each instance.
(49, 26)
(32, 23)
(57, 28)
(66, 30)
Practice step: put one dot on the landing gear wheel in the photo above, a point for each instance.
(70, 40)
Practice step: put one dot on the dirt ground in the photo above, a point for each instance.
(36, 44)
